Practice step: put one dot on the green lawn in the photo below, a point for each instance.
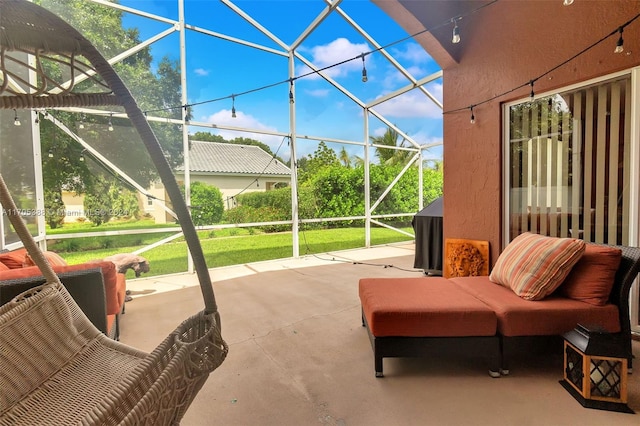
(220, 249)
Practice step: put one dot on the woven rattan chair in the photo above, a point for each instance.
(55, 366)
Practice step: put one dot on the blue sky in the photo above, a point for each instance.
(218, 68)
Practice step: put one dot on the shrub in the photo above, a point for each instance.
(97, 205)
(206, 204)
(53, 209)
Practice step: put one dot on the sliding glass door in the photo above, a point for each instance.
(571, 164)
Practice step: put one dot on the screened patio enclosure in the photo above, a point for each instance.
(177, 58)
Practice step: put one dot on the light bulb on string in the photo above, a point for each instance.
(50, 153)
(291, 99)
(110, 123)
(567, 2)
(364, 71)
(532, 94)
(16, 120)
(233, 106)
(81, 124)
(455, 39)
(473, 117)
(37, 120)
(620, 44)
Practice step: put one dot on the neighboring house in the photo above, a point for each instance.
(234, 169)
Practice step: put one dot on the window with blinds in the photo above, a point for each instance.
(569, 165)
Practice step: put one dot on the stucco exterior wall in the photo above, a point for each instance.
(506, 45)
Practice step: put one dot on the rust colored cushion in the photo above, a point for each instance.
(53, 258)
(554, 315)
(423, 307)
(114, 283)
(3, 267)
(591, 279)
(13, 259)
(533, 265)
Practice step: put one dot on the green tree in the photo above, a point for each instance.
(345, 159)
(322, 157)
(124, 202)
(155, 86)
(53, 209)
(391, 156)
(97, 205)
(207, 137)
(206, 204)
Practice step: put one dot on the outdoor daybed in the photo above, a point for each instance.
(540, 286)
(97, 287)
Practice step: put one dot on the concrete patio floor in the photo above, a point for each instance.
(299, 355)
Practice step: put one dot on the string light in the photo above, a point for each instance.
(50, 153)
(320, 70)
(620, 44)
(566, 61)
(233, 106)
(364, 71)
(455, 39)
(532, 94)
(291, 100)
(16, 120)
(37, 120)
(110, 123)
(473, 117)
(81, 124)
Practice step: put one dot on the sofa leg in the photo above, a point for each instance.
(378, 365)
(504, 361)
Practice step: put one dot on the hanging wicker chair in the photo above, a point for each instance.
(56, 367)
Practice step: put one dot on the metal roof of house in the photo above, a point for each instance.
(224, 158)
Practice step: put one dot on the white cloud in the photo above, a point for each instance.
(412, 52)
(242, 120)
(413, 104)
(425, 139)
(317, 93)
(379, 131)
(335, 52)
(201, 72)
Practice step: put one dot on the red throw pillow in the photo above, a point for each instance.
(591, 279)
(13, 259)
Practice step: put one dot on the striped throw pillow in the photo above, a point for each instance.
(534, 266)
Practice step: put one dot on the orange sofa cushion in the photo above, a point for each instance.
(551, 316)
(423, 307)
(13, 259)
(592, 278)
(52, 257)
(115, 287)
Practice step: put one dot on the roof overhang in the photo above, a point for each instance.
(434, 16)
